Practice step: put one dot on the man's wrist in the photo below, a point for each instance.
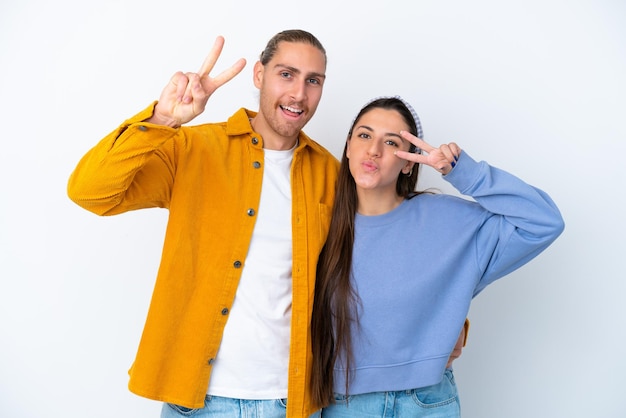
(158, 119)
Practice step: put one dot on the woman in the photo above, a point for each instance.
(400, 268)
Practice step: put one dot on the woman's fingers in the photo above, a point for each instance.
(442, 159)
(418, 142)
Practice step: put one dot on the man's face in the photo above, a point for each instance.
(290, 89)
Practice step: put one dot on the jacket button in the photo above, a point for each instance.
(237, 264)
(225, 311)
(255, 140)
(143, 128)
(256, 164)
(250, 212)
(211, 361)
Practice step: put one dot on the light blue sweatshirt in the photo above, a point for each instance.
(417, 268)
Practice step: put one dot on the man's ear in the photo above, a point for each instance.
(257, 74)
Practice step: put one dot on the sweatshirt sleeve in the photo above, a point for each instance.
(520, 220)
(131, 168)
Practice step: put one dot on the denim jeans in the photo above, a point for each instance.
(218, 407)
(436, 401)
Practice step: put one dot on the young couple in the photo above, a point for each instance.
(289, 281)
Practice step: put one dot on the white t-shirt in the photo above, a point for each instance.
(253, 359)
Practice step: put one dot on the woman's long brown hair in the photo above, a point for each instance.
(335, 303)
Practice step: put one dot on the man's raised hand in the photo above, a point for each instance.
(186, 94)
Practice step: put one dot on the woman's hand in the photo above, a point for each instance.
(442, 159)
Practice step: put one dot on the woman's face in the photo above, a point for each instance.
(370, 151)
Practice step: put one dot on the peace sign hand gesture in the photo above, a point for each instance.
(186, 94)
(442, 159)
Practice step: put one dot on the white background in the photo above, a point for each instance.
(536, 87)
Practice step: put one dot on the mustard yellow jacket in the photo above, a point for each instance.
(209, 177)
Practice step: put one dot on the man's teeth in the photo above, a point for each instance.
(291, 109)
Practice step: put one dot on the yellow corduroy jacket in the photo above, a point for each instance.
(209, 177)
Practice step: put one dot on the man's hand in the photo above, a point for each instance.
(186, 94)
(460, 343)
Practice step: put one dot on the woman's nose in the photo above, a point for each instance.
(374, 149)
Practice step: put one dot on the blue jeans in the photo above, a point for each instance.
(218, 407)
(436, 401)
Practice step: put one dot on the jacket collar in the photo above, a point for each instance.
(239, 124)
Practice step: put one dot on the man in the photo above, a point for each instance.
(228, 325)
